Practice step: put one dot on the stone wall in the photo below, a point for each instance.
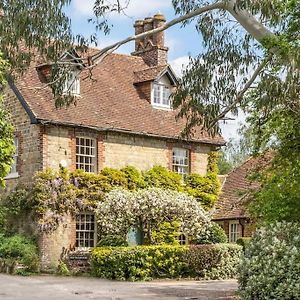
(116, 150)
(55, 245)
(141, 152)
(30, 142)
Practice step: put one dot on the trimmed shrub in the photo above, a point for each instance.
(139, 263)
(214, 235)
(113, 241)
(244, 242)
(147, 262)
(271, 265)
(20, 249)
(219, 261)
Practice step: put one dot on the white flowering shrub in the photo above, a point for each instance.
(271, 266)
(147, 209)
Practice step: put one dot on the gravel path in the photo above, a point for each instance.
(82, 288)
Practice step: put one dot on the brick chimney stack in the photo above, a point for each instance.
(151, 48)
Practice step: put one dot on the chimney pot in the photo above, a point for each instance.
(151, 48)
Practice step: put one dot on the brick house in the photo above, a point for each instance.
(123, 116)
(230, 210)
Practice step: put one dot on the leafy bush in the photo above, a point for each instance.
(139, 263)
(213, 235)
(219, 261)
(20, 249)
(166, 233)
(271, 266)
(145, 262)
(113, 240)
(55, 193)
(163, 178)
(62, 269)
(244, 242)
(148, 209)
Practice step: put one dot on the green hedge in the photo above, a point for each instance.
(218, 261)
(19, 249)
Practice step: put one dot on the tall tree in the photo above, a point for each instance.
(27, 28)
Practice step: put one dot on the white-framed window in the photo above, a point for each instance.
(161, 95)
(86, 231)
(182, 239)
(14, 170)
(234, 231)
(181, 161)
(86, 154)
(72, 83)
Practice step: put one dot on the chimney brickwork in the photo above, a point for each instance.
(151, 48)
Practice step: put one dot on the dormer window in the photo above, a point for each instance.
(72, 83)
(161, 95)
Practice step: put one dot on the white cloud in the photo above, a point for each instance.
(179, 64)
(136, 8)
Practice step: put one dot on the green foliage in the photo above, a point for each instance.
(147, 262)
(135, 179)
(7, 148)
(62, 269)
(214, 235)
(224, 164)
(55, 193)
(244, 242)
(278, 197)
(163, 178)
(147, 209)
(271, 265)
(166, 233)
(20, 249)
(113, 240)
(138, 263)
(204, 188)
(219, 261)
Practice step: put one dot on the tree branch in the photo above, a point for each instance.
(255, 28)
(96, 58)
(240, 94)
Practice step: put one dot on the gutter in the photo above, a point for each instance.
(33, 119)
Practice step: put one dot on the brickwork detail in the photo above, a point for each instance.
(101, 151)
(170, 155)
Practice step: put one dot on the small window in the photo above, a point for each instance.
(161, 95)
(181, 161)
(72, 84)
(14, 169)
(234, 231)
(86, 154)
(85, 231)
(182, 239)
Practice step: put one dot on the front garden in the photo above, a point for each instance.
(171, 215)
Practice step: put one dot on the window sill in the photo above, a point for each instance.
(161, 107)
(12, 176)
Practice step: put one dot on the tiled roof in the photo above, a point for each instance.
(109, 101)
(149, 73)
(235, 189)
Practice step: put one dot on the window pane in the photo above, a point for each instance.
(85, 230)
(181, 160)
(86, 154)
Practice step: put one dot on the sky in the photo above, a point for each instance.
(182, 41)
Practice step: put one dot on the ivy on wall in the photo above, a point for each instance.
(54, 193)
